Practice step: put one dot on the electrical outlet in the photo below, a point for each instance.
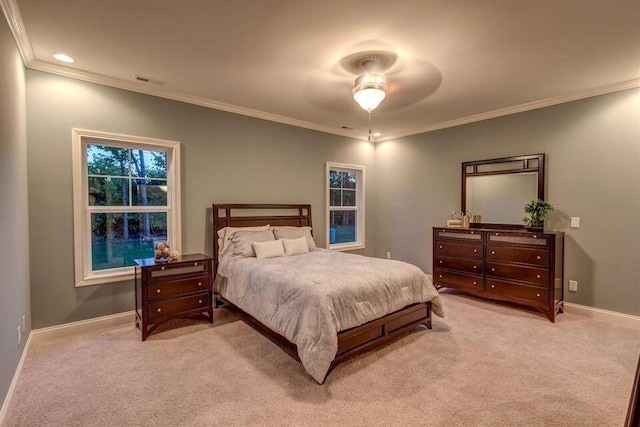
(388, 255)
(575, 222)
(24, 323)
(19, 336)
(573, 285)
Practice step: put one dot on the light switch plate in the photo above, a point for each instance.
(573, 285)
(575, 222)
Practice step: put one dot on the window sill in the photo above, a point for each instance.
(346, 247)
(123, 276)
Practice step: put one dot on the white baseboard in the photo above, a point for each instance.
(59, 331)
(14, 382)
(614, 317)
(73, 328)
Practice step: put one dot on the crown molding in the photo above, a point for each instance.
(528, 106)
(14, 19)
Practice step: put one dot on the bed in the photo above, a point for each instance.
(330, 305)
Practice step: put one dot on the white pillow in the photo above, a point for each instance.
(295, 246)
(243, 241)
(272, 249)
(226, 234)
(294, 233)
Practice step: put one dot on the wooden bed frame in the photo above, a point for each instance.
(351, 342)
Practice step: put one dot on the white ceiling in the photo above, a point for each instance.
(456, 61)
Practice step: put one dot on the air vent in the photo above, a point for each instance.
(149, 81)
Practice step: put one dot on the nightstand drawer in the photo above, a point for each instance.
(182, 287)
(471, 250)
(516, 290)
(169, 272)
(473, 266)
(454, 280)
(178, 305)
(538, 276)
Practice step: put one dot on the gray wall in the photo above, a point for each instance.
(225, 158)
(14, 226)
(593, 159)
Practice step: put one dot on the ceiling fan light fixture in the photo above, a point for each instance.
(369, 91)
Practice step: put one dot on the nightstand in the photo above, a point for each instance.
(168, 290)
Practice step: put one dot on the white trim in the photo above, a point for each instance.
(14, 382)
(12, 13)
(84, 276)
(359, 208)
(82, 326)
(608, 316)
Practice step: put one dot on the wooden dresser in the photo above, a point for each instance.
(517, 265)
(167, 290)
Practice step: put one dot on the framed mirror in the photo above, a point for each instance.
(496, 190)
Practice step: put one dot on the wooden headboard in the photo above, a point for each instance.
(223, 216)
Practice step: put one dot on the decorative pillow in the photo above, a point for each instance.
(295, 246)
(272, 249)
(226, 234)
(295, 233)
(243, 241)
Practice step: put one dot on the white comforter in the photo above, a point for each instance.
(309, 298)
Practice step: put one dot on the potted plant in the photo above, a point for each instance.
(537, 211)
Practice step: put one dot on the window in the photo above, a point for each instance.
(345, 206)
(126, 196)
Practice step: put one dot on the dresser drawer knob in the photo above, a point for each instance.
(159, 310)
(473, 232)
(440, 276)
(157, 291)
(475, 266)
(195, 263)
(199, 301)
(535, 237)
(440, 246)
(162, 268)
(475, 250)
(200, 283)
(493, 252)
(493, 286)
(497, 234)
(475, 283)
(538, 276)
(493, 269)
(539, 257)
(537, 295)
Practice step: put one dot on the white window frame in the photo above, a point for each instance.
(84, 275)
(359, 207)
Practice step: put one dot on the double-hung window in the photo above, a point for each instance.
(345, 206)
(126, 198)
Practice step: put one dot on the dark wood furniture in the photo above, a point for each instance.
(515, 265)
(633, 414)
(350, 342)
(167, 290)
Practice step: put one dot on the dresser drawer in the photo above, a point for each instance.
(515, 254)
(471, 250)
(517, 238)
(169, 272)
(538, 276)
(465, 235)
(516, 290)
(473, 266)
(169, 289)
(178, 305)
(454, 280)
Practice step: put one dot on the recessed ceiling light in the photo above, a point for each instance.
(376, 134)
(64, 58)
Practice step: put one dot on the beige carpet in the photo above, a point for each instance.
(484, 365)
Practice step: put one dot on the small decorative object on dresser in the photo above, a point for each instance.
(537, 211)
(165, 291)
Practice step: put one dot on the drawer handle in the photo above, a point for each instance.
(539, 257)
(440, 261)
(493, 269)
(159, 310)
(162, 268)
(157, 291)
(537, 295)
(535, 237)
(472, 232)
(497, 234)
(475, 266)
(538, 276)
(199, 301)
(475, 283)
(440, 246)
(493, 286)
(195, 263)
(493, 252)
(440, 276)
(200, 283)
(475, 250)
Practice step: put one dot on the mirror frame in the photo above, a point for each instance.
(540, 169)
